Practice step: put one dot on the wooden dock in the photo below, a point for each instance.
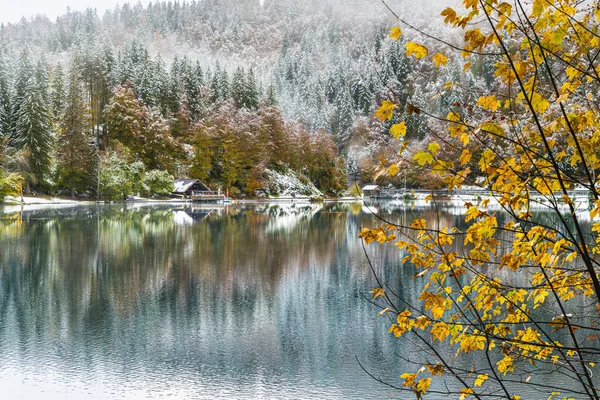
(208, 198)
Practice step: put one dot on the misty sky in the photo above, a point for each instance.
(13, 10)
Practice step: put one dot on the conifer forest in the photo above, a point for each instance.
(232, 93)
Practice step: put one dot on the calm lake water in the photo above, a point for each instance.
(245, 301)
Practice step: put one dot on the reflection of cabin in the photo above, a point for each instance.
(372, 190)
(190, 215)
(190, 187)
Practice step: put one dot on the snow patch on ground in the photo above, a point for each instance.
(288, 184)
(37, 200)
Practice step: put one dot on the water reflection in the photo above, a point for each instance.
(249, 301)
(243, 301)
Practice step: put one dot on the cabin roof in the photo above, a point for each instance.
(371, 187)
(183, 185)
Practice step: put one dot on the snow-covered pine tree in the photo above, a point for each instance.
(57, 92)
(224, 87)
(148, 88)
(5, 104)
(33, 131)
(214, 85)
(238, 88)
(175, 92)
(75, 143)
(42, 77)
(192, 78)
(271, 96)
(25, 72)
(161, 77)
(251, 92)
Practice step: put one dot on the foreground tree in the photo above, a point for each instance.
(522, 299)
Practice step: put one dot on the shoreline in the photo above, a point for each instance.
(56, 201)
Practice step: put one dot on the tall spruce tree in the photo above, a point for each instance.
(76, 144)
(42, 77)
(24, 74)
(251, 91)
(57, 89)
(238, 88)
(5, 104)
(33, 131)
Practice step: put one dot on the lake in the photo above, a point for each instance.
(198, 302)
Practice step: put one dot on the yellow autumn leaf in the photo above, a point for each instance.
(449, 15)
(481, 378)
(393, 170)
(539, 103)
(486, 158)
(506, 364)
(437, 369)
(439, 59)
(422, 322)
(423, 385)
(465, 393)
(377, 292)
(423, 158)
(493, 128)
(488, 103)
(440, 331)
(415, 49)
(398, 130)
(465, 157)
(433, 148)
(395, 33)
(385, 111)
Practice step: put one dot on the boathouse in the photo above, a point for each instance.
(371, 191)
(190, 187)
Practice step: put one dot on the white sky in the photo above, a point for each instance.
(13, 10)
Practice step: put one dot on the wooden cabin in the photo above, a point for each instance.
(187, 188)
(372, 191)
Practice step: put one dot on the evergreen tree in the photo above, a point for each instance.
(33, 131)
(42, 77)
(251, 91)
(215, 95)
(76, 147)
(58, 92)
(271, 96)
(192, 80)
(24, 74)
(161, 78)
(238, 88)
(224, 86)
(174, 92)
(5, 104)
(148, 85)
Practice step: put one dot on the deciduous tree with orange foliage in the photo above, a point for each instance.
(522, 298)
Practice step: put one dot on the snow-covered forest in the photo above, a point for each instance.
(224, 91)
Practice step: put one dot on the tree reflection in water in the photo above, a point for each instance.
(203, 302)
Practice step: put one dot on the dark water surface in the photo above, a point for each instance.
(243, 302)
